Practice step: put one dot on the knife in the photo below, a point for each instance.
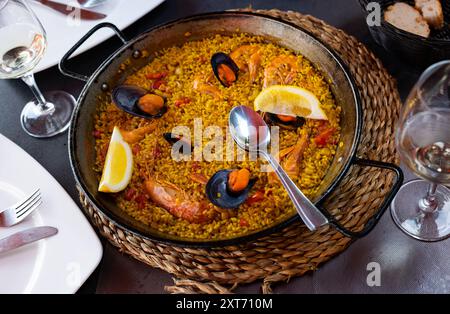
(68, 9)
(24, 237)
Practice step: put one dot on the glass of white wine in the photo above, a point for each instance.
(422, 207)
(22, 45)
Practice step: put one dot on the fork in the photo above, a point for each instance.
(15, 214)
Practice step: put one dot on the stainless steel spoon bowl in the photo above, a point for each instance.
(251, 133)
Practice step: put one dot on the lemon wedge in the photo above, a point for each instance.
(118, 165)
(290, 101)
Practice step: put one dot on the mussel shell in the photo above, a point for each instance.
(126, 97)
(222, 58)
(219, 194)
(272, 119)
(173, 138)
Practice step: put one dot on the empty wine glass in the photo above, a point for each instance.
(22, 45)
(422, 207)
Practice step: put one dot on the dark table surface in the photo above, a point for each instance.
(406, 265)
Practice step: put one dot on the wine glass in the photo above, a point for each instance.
(422, 207)
(22, 45)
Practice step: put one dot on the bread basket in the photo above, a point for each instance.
(407, 46)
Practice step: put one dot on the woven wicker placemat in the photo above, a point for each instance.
(295, 250)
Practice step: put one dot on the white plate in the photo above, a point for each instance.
(63, 33)
(59, 264)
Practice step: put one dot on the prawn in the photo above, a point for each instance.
(291, 158)
(205, 87)
(282, 70)
(247, 58)
(137, 135)
(177, 202)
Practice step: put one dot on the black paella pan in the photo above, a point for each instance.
(110, 73)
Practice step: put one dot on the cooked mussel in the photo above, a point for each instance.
(185, 147)
(224, 68)
(284, 121)
(138, 101)
(229, 188)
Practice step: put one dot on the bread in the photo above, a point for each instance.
(432, 12)
(407, 18)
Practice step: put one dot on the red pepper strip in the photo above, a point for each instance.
(323, 137)
(195, 166)
(141, 200)
(182, 101)
(243, 222)
(157, 152)
(129, 194)
(136, 149)
(156, 84)
(156, 76)
(255, 198)
(97, 133)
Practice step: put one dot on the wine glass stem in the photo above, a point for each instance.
(43, 105)
(428, 204)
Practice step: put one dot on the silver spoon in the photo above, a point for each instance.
(250, 132)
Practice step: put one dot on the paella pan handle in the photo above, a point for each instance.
(62, 63)
(389, 197)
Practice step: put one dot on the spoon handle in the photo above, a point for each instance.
(310, 214)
